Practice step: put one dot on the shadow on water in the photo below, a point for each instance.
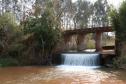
(118, 73)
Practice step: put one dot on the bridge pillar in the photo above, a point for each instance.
(81, 42)
(98, 45)
(67, 40)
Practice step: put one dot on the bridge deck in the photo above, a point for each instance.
(88, 30)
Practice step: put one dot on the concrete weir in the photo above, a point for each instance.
(81, 59)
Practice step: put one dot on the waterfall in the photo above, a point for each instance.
(81, 59)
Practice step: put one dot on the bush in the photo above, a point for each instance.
(8, 62)
(119, 62)
(15, 50)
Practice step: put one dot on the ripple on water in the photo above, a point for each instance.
(61, 75)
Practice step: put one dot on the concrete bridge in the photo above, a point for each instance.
(81, 33)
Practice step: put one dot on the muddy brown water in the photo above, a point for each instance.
(61, 75)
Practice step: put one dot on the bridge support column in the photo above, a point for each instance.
(81, 42)
(98, 45)
(67, 40)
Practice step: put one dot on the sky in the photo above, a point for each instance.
(116, 3)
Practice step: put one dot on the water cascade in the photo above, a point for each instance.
(81, 59)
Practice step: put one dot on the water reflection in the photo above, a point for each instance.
(61, 75)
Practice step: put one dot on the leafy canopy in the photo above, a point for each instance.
(8, 29)
(45, 29)
(119, 21)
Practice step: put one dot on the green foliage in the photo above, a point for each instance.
(119, 62)
(8, 62)
(45, 34)
(118, 19)
(101, 10)
(7, 20)
(15, 50)
(122, 20)
(9, 37)
(8, 29)
(84, 13)
(45, 30)
(90, 44)
(114, 19)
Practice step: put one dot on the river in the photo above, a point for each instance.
(61, 75)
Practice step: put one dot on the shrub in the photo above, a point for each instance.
(8, 62)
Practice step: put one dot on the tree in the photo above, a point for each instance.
(8, 29)
(118, 19)
(84, 12)
(100, 15)
(45, 34)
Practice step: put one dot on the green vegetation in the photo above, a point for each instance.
(90, 42)
(119, 24)
(45, 35)
(32, 42)
(9, 33)
(8, 62)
